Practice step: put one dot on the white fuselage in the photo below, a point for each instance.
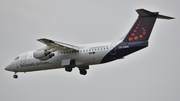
(88, 55)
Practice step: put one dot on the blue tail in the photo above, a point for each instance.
(143, 26)
(138, 36)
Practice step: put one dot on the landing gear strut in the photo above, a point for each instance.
(70, 66)
(15, 76)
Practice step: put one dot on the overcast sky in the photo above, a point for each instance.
(152, 74)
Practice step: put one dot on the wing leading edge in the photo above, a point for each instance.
(56, 44)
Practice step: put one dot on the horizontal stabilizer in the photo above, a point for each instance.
(146, 13)
(165, 17)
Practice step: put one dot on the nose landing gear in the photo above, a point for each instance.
(15, 76)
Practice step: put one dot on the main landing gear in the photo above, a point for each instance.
(15, 76)
(82, 71)
(68, 68)
(72, 64)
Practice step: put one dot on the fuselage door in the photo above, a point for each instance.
(113, 48)
(23, 58)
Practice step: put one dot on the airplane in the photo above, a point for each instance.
(62, 55)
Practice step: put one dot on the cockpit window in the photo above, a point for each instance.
(17, 58)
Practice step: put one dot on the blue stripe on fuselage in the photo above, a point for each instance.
(123, 49)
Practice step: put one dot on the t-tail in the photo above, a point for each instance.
(138, 36)
(143, 26)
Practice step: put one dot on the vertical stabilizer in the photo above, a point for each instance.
(143, 26)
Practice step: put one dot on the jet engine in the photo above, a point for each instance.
(43, 54)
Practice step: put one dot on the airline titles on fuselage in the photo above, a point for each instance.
(35, 64)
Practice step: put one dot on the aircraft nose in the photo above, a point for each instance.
(7, 68)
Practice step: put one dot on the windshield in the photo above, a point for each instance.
(16, 58)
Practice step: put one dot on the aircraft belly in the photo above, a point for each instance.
(90, 59)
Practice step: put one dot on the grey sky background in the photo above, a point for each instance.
(152, 74)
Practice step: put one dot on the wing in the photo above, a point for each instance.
(54, 45)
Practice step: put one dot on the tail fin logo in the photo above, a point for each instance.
(133, 35)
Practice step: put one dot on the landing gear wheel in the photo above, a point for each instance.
(15, 76)
(68, 69)
(82, 71)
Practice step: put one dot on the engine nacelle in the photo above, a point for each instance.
(40, 54)
(48, 56)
